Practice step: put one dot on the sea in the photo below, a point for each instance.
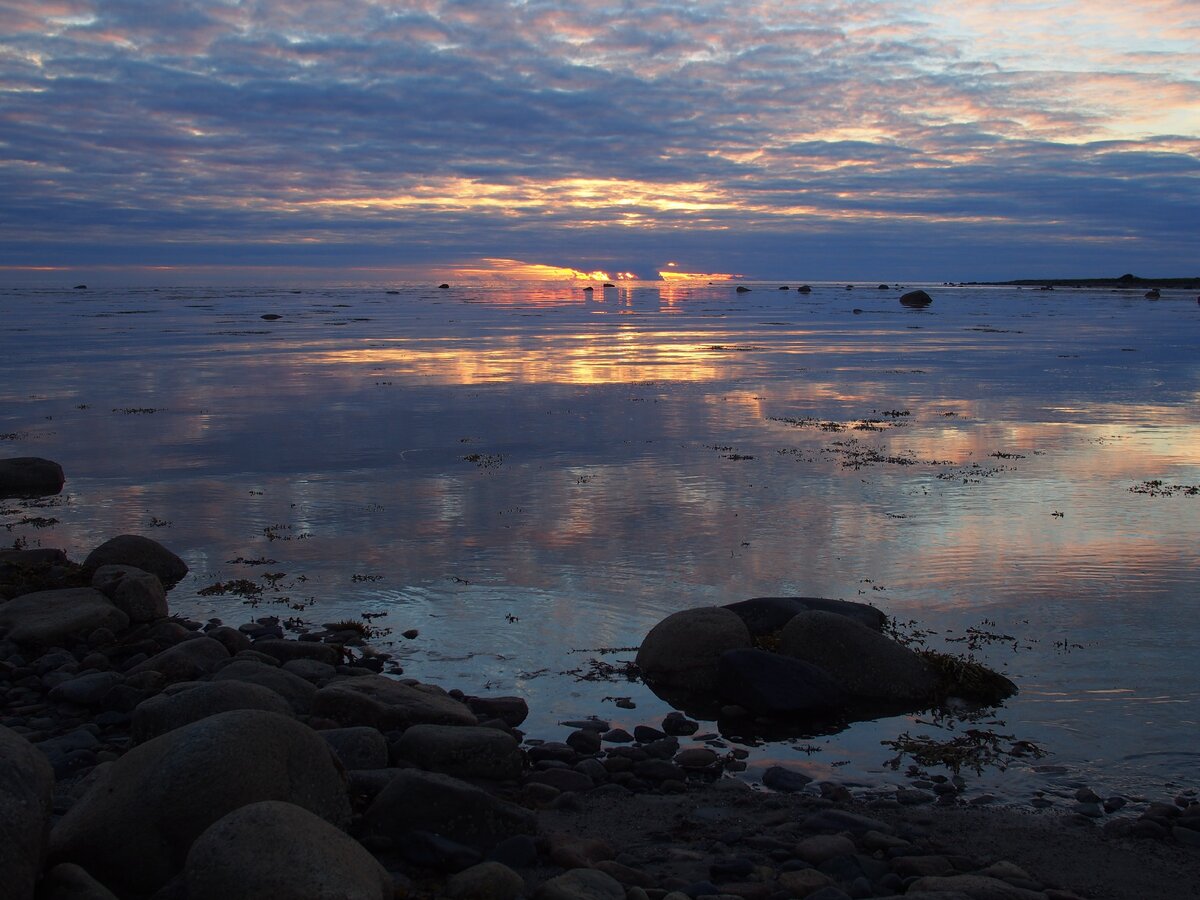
(529, 476)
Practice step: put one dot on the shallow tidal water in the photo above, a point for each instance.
(530, 475)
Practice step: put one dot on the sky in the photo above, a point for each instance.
(919, 140)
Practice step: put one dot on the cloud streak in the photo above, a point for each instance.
(376, 132)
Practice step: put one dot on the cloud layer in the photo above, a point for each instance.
(925, 139)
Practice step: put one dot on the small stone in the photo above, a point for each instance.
(676, 723)
(821, 847)
(617, 736)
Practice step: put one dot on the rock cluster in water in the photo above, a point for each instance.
(146, 755)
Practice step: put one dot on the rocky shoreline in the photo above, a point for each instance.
(146, 755)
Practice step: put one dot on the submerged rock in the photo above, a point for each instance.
(30, 476)
(915, 299)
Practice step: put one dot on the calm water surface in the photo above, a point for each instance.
(529, 473)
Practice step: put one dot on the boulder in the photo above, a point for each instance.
(190, 701)
(804, 289)
(683, 651)
(292, 688)
(770, 684)
(285, 651)
(30, 476)
(134, 825)
(359, 747)
(915, 299)
(186, 661)
(766, 615)
(868, 665)
(88, 689)
(462, 751)
(310, 670)
(387, 704)
(445, 806)
(46, 618)
(581, 884)
(26, 785)
(67, 881)
(138, 594)
(141, 553)
(510, 710)
(277, 849)
(486, 881)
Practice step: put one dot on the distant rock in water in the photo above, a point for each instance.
(609, 284)
(849, 287)
(393, 292)
(857, 311)
(883, 287)
(443, 285)
(804, 289)
(742, 289)
(589, 289)
(140, 552)
(81, 287)
(30, 476)
(1153, 294)
(784, 287)
(915, 299)
(270, 317)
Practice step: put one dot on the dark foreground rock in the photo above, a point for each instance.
(26, 782)
(140, 552)
(915, 299)
(683, 651)
(281, 850)
(134, 825)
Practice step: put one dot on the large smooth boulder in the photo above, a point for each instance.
(141, 553)
(294, 689)
(445, 806)
(683, 651)
(30, 476)
(766, 615)
(357, 747)
(133, 827)
(26, 785)
(46, 618)
(868, 665)
(190, 701)
(138, 594)
(462, 751)
(186, 661)
(387, 704)
(280, 850)
(67, 881)
(769, 684)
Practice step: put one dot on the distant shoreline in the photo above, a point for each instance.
(1125, 281)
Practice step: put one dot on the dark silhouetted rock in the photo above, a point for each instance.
(190, 701)
(742, 289)
(387, 704)
(867, 665)
(683, 651)
(281, 850)
(462, 751)
(443, 285)
(81, 287)
(186, 661)
(1153, 294)
(30, 476)
(286, 651)
(141, 553)
(295, 690)
(67, 881)
(358, 747)
(271, 317)
(511, 710)
(766, 615)
(915, 299)
(26, 785)
(445, 806)
(133, 826)
(883, 287)
(45, 618)
(138, 594)
(788, 781)
(770, 684)
(804, 289)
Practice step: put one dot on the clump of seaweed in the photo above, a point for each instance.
(959, 676)
(364, 630)
(974, 749)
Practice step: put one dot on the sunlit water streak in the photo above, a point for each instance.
(652, 448)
